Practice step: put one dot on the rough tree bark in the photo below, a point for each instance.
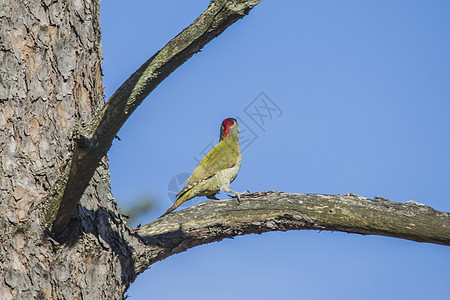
(62, 235)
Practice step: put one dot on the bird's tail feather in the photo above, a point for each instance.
(186, 196)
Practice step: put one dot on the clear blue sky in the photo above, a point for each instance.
(364, 91)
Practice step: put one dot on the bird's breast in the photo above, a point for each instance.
(226, 176)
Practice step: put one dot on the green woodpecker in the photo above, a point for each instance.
(216, 170)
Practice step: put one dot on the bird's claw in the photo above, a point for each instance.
(238, 195)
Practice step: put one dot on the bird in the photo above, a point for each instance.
(216, 170)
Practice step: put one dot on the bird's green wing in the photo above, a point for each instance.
(223, 156)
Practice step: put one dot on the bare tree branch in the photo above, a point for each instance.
(213, 221)
(93, 141)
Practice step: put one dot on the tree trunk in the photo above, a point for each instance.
(51, 80)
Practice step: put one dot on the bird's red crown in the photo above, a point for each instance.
(226, 125)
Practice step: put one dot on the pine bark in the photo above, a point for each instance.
(51, 80)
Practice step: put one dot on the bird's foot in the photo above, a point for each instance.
(238, 195)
